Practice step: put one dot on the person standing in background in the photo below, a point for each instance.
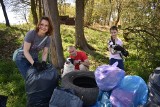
(115, 56)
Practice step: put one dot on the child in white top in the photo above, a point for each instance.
(115, 55)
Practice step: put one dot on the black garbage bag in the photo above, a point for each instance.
(62, 97)
(40, 86)
(3, 100)
(154, 87)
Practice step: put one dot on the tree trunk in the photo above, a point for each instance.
(79, 22)
(40, 9)
(34, 13)
(51, 10)
(119, 8)
(5, 13)
(110, 13)
(118, 17)
(43, 10)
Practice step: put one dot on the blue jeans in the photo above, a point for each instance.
(120, 62)
(23, 65)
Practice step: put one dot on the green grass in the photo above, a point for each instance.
(12, 84)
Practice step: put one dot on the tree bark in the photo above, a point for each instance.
(79, 25)
(34, 13)
(40, 8)
(5, 13)
(119, 8)
(51, 10)
(110, 13)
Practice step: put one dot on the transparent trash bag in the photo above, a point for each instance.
(103, 100)
(131, 92)
(108, 76)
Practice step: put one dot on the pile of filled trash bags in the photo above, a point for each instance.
(116, 89)
(120, 90)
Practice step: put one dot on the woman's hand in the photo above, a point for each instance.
(38, 66)
(44, 65)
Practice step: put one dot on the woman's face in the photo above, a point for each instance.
(43, 27)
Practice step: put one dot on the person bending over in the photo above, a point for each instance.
(35, 41)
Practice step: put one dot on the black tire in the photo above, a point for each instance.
(84, 84)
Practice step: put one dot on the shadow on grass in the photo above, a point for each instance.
(99, 57)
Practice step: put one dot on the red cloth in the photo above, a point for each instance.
(80, 56)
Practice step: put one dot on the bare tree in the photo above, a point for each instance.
(51, 10)
(19, 7)
(5, 13)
